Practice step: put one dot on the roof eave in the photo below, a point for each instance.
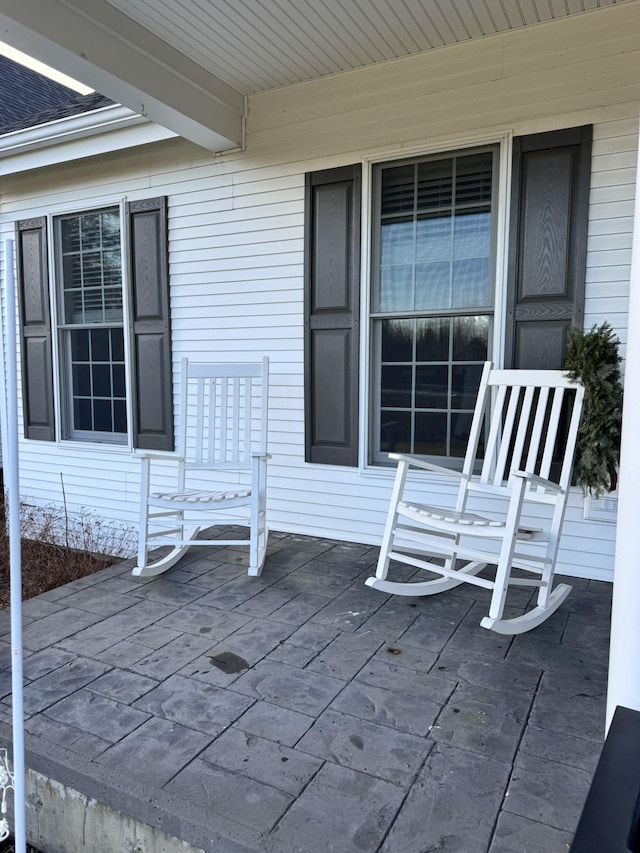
(66, 138)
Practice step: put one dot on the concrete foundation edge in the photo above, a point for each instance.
(73, 805)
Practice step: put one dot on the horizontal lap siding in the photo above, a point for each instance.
(236, 237)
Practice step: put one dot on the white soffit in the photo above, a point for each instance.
(256, 45)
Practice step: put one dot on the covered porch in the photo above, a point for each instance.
(303, 711)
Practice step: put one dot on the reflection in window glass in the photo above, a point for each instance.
(90, 264)
(432, 300)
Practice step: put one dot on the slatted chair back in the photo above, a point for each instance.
(533, 426)
(227, 406)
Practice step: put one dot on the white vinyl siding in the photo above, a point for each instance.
(236, 238)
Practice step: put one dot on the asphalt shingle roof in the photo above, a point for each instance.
(28, 98)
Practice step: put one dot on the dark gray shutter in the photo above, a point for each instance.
(151, 345)
(35, 329)
(547, 245)
(332, 283)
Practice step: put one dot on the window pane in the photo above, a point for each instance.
(472, 234)
(397, 238)
(397, 340)
(82, 414)
(460, 428)
(111, 229)
(435, 184)
(474, 178)
(100, 344)
(80, 345)
(396, 386)
(431, 434)
(471, 283)
(396, 288)
(117, 345)
(119, 416)
(432, 339)
(102, 418)
(432, 387)
(433, 238)
(470, 338)
(433, 286)
(397, 189)
(395, 432)
(101, 380)
(70, 234)
(81, 374)
(90, 231)
(465, 381)
(117, 379)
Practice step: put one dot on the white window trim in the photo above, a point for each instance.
(504, 141)
(60, 403)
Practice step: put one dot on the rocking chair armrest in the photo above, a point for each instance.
(427, 466)
(259, 454)
(540, 482)
(157, 455)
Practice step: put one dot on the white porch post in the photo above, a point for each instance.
(624, 655)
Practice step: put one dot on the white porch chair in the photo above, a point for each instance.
(510, 506)
(221, 466)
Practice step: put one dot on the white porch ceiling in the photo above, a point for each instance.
(187, 64)
(255, 45)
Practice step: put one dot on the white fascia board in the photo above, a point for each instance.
(100, 46)
(76, 137)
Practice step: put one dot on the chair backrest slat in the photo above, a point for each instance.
(500, 472)
(533, 420)
(224, 414)
(537, 429)
(200, 395)
(523, 433)
(495, 429)
(552, 432)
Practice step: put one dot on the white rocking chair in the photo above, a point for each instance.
(226, 437)
(526, 411)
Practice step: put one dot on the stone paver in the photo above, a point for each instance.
(341, 811)
(303, 712)
(547, 791)
(281, 725)
(514, 833)
(189, 702)
(264, 760)
(229, 795)
(379, 705)
(483, 721)
(452, 805)
(373, 749)
(156, 751)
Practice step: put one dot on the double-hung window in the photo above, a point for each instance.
(96, 359)
(432, 299)
(431, 309)
(91, 325)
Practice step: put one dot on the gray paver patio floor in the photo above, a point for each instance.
(302, 711)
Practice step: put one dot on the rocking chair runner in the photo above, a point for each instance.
(526, 410)
(225, 437)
